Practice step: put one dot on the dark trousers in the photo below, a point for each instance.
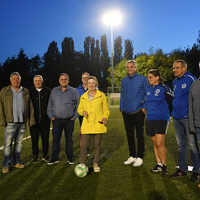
(40, 129)
(58, 126)
(134, 122)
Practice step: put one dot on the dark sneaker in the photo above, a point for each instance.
(35, 159)
(178, 173)
(194, 177)
(52, 162)
(157, 168)
(164, 170)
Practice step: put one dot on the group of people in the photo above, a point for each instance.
(21, 108)
(140, 97)
(151, 97)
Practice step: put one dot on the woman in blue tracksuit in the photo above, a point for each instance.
(157, 117)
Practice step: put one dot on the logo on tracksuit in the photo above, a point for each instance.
(157, 92)
(184, 85)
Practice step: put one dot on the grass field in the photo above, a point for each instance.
(115, 182)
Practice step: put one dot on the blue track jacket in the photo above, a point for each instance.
(133, 90)
(181, 87)
(81, 90)
(155, 102)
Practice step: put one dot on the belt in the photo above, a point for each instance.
(132, 113)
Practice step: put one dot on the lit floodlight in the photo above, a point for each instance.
(112, 18)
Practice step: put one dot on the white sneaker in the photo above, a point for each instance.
(138, 162)
(130, 160)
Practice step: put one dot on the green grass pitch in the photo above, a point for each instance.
(115, 182)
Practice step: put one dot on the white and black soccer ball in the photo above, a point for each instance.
(81, 170)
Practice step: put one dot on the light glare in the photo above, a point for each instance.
(112, 18)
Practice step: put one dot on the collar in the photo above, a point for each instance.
(135, 74)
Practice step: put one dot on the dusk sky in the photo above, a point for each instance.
(33, 24)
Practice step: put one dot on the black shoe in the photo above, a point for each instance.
(164, 170)
(35, 159)
(157, 168)
(194, 177)
(52, 162)
(178, 173)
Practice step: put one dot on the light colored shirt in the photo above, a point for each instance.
(18, 105)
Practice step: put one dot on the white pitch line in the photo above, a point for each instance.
(26, 138)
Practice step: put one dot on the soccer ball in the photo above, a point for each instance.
(81, 170)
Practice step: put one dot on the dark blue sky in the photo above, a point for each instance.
(33, 24)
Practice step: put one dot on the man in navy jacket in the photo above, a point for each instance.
(133, 89)
(181, 87)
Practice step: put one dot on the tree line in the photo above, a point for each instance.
(94, 59)
(162, 61)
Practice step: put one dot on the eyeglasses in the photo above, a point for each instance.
(63, 79)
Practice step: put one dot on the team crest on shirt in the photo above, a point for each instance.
(184, 85)
(157, 92)
(148, 93)
(174, 87)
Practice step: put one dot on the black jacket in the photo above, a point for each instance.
(40, 103)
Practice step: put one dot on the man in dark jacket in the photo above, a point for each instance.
(40, 97)
(194, 124)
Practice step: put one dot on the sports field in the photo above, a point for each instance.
(115, 182)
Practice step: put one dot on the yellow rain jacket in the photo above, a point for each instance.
(97, 109)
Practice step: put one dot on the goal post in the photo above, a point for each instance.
(113, 97)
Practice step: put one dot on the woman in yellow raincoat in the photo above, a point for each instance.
(94, 109)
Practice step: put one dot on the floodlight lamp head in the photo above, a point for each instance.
(112, 18)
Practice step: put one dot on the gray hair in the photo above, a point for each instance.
(40, 76)
(183, 63)
(132, 61)
(15, 74)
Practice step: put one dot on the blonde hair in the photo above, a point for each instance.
(94, 78)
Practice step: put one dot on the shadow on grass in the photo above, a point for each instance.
(154, 195)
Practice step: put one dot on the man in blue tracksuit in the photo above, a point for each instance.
(82, 88)
(133, 90)
(181, 87)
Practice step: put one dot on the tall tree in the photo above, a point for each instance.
(67, 55)
(23, 67)
(51, 68)
(117, 50)
(128, 53)
(67, 47)
(35, 65)
(87, 45)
